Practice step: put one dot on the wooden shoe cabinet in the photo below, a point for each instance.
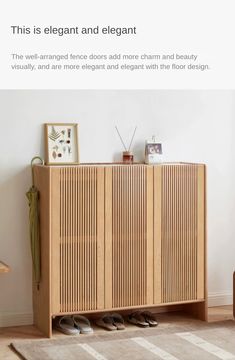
(120, 237)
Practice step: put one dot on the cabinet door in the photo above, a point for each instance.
(77, 239)
(128, 236)
(179, 228)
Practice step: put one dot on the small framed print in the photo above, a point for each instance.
(61, 144)
(153, 153)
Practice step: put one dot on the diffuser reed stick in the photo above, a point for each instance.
(132, 139)
(123, 141)
(121, 138)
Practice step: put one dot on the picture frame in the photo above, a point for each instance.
(153, 153)
(61, 143)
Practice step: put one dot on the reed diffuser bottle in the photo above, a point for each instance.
(127, 156)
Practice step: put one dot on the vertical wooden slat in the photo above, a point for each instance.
(108, 238)
(80, 238)
(83, 269)
(73, 239)
(70, 289)
(63, 254)
(131, 269)
(171, 238)
(138, 238)
(157, 201)
(174, 288)
(201, 232)
(143, 235)
(189, 184)
(182, 235)
(115, 232)
(100, 239)
(55, 244)
(116, 203)
(149, 229)
(195, 192)
(76, 243)
(69, 241)
(142, 238)
(115, 228)
(66, 203)
(125, 244)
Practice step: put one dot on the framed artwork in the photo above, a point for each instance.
(61, 144)
(154, 148)
(153, 153)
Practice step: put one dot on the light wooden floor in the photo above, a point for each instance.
(7, 335)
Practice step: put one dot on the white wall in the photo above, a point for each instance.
(193, 126)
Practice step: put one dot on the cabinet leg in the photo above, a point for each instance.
(198, 310)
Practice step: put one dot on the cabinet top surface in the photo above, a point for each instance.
(117, 164)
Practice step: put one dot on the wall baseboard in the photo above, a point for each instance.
(15, 319)
(220, 298)
(19, 319)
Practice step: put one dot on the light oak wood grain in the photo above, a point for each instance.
(121, 237)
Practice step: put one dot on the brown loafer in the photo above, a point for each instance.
(106, 322)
